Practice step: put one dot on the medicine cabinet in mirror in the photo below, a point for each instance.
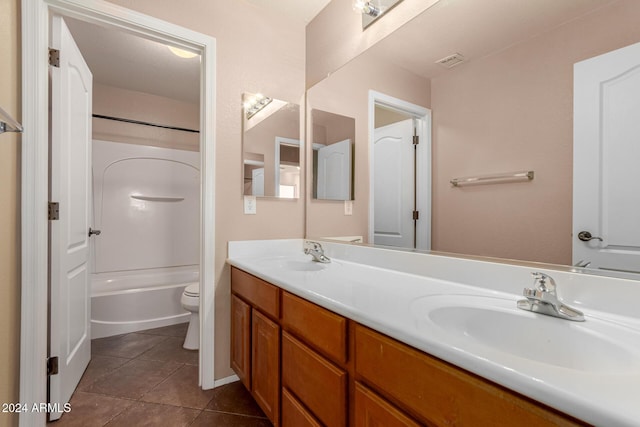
(332, 137)
(271, 147)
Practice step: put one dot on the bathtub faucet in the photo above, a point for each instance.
(543, 299)
(315, 250)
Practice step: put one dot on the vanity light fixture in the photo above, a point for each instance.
(8, 124)
(372, 10)
(256, 103)
(366, 7)
(182, 53)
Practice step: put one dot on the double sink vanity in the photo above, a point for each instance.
(405, 338)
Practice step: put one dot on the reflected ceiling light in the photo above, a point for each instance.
(366, 7)
(256, 103)
(182, 53)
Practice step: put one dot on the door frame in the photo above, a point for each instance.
(423, 178)
(35, 177)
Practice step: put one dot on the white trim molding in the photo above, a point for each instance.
(35, 177)
(423, 178)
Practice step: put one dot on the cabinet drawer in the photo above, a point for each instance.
(256, 291)
(320, 328)
(317, 383)
(294, 414)
(371, 410)
(439, 393)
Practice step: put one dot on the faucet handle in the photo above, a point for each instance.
(544, 282)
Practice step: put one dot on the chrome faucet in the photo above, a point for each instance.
(315, 250)
(543, 299)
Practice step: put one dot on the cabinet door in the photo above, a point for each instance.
(241, 340)
(373, 411)
(265, 365)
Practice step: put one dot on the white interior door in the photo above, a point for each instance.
(69, 325)
(257, 182)
(393, 185)
(334, 171)
(606, 185)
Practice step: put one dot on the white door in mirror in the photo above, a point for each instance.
(606, 176)
(334, 171)
(393, 185)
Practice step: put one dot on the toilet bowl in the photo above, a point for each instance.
(191, 302)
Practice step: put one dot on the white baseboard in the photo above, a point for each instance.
(225, 381)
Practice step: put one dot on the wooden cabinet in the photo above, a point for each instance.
(307, 366)
(255, 339)
(241, 340)
(438, 393)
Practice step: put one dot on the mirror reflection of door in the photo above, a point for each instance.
(400, 176)
(287, 168)
(257, 182)
(394, 184)
(334, 169)
(606, 235)
(333, 137)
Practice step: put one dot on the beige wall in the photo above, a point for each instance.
(347, 93)
(335, 35)
(128, 104)
(514, 111)
(10, 212)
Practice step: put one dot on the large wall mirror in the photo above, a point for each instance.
(497, 78)
(271, 147)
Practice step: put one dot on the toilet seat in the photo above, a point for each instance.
(193, 290)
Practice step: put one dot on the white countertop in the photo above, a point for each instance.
(390, 291)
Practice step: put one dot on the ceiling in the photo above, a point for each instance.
(474, 29)
(126, 61)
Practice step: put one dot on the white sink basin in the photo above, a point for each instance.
(495, 324)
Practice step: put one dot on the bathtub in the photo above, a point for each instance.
(130, 301)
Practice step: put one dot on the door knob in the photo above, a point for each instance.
(92, 231)
(585, 236)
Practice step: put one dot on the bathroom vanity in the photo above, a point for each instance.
(370, 339)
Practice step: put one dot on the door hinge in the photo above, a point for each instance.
(416, 140)
(52, 365)
(416, 215)
(54, 211)
(54, 57)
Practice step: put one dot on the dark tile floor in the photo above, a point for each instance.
(147, 379)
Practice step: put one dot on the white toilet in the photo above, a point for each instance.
(191, 302)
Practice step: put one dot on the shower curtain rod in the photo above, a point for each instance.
(138, 122)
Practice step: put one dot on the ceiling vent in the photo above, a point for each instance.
(451, 60)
